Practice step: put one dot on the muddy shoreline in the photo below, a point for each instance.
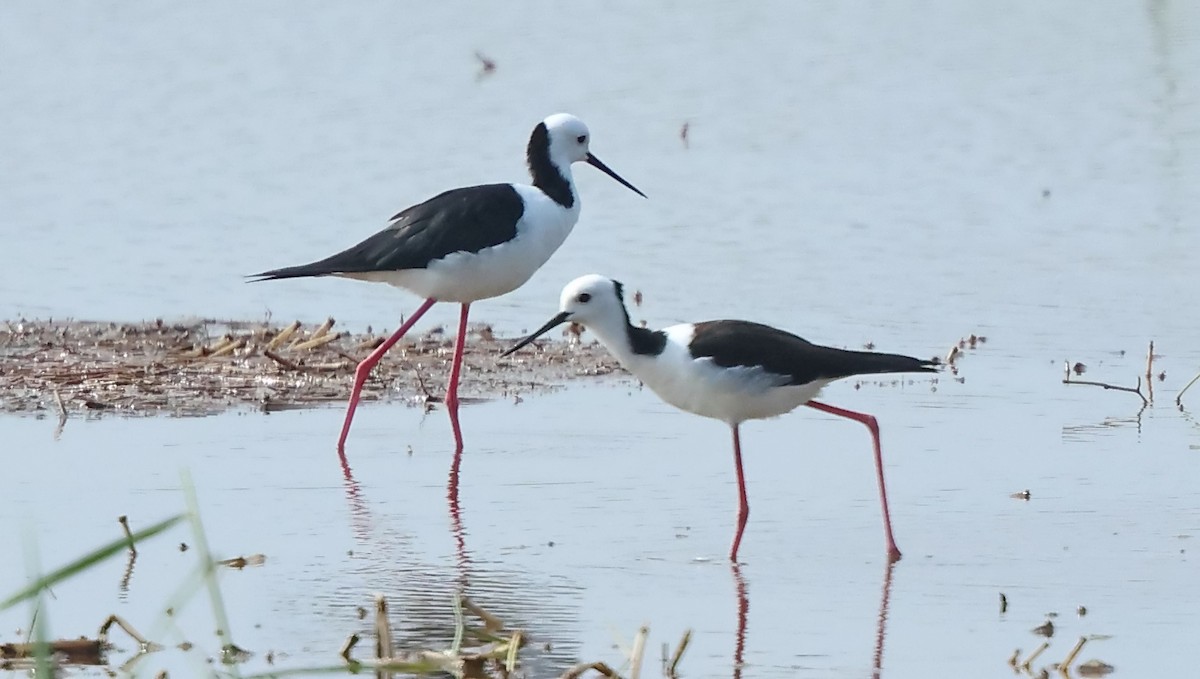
(205, 367)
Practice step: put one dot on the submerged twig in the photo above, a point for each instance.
(683, 644)
(1179, 396)
(1133, 390)
(577, 671)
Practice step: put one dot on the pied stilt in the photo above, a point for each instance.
(731, 371)
(468, 244)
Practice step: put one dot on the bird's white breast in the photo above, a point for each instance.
(702, 387)
(469, 276)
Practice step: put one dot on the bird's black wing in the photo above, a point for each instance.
(742, 343)
(468, 219)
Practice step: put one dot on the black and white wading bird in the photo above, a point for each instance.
(468, 244)
(731, 371)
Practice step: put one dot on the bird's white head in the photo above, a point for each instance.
(569, 138)
(558, 141)
(592, 301)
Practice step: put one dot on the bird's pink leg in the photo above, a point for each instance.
(364, 369)
(873, 425)
(452, 390)
(743, 505)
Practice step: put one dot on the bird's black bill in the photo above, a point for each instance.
(553, 323)
(595, 162)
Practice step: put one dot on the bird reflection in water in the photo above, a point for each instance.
(743, 611)
(360, 515)
(456, 524)
(881, 625)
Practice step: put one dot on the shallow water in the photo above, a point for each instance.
(581, 529)
(898, 175)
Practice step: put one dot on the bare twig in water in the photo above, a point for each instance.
(491, 623)
(578, 670)
(383, 631)
(1133, 390)
(1065, 665)
(1033, 656)
(121, 622)
(62, 415)
(348, 646)
(678, 655)
(1179, 396)
(1150, 362)
(1150, 371)
(639, 650)
(82, 651)
(124, 521)
(515, 642)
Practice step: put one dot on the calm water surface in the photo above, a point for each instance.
(903, 174)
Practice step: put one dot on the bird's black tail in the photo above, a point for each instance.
(844, 363)
(325, 267)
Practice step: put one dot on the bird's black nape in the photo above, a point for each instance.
(546, 176)
(642, 340)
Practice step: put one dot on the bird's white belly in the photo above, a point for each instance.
(469, 276)
(731, 395)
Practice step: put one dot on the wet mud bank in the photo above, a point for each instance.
(204, 367)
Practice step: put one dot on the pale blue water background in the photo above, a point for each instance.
(873, 173)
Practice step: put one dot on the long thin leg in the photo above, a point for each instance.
(364, 368)
(455, 370)
(873, 425)
(743, 505)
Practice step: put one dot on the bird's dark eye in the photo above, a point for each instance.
(584, 298)
(582, 139)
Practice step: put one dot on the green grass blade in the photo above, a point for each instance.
(87, 561)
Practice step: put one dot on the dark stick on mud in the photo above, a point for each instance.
(282, 361)
(1133, 390)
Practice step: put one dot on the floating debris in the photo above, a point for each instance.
(1046, 629)
(240, 562)
(487, 66)
(1094, 668)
